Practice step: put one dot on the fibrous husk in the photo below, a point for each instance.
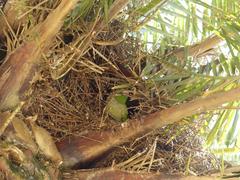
(23, 132)
(45, 143)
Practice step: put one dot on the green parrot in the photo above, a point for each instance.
(117, 108)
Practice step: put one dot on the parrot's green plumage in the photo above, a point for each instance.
(117, 108)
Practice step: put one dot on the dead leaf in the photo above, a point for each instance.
(24, 134)
(46, 143)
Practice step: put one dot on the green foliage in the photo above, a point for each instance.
(152, 5)
(105, 4)
(179, 23)
(81, 10)
(88, 10)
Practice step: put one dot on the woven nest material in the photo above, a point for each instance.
(74, 105)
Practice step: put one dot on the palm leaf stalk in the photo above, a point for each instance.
(87, 148)
(20, 67)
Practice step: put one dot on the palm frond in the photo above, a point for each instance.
(181, 28)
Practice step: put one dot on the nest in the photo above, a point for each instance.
(75, 103)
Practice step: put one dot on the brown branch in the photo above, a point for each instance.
(112, 174)
(18, 70)
(228, 172)
(116, 7)
(199, 48)
(84, 149)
